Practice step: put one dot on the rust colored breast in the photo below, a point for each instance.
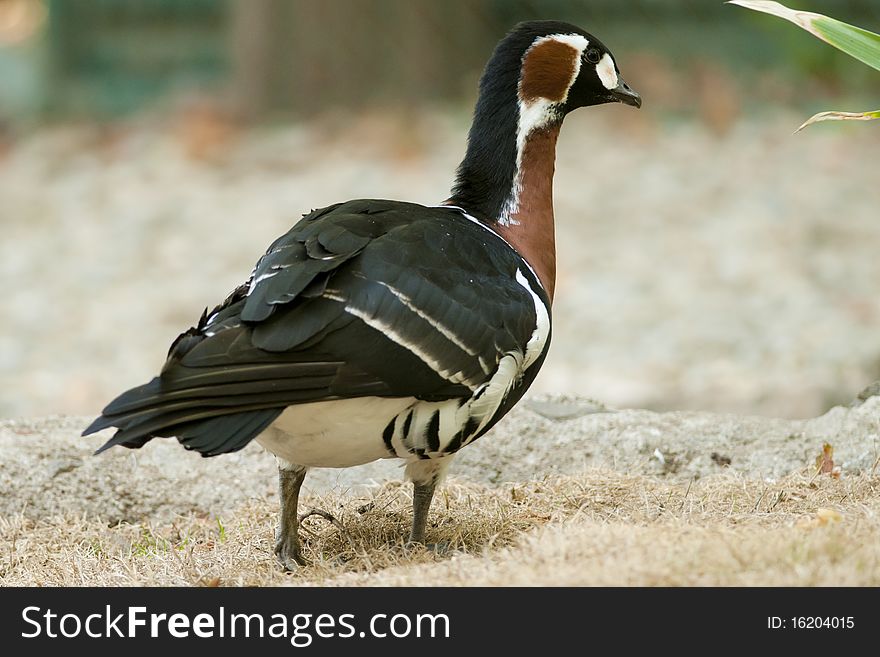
(531, 230)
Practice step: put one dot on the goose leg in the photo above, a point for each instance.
(423, 493)
(425, 475)
(287, 545)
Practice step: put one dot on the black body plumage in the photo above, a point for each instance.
(337, 308)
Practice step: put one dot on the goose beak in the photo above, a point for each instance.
(622, 93)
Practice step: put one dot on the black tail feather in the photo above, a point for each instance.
(163, 407)
(228, 433)
(210, 435)
(218, 381)
(168, 424)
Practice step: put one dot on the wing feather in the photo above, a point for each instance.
(347, 303)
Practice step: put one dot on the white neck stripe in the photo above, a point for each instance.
(536, 113)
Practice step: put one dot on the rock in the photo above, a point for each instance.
(872, 390)
(565, 408)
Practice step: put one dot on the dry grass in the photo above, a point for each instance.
(601, 528)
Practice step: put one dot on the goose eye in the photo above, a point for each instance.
(593, 56)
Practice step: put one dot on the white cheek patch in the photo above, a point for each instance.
(607, 72)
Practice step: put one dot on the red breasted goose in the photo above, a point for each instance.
(378, 329)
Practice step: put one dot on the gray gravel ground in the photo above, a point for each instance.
(47, 470)
(732, 273)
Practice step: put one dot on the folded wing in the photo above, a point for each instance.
(366, 298)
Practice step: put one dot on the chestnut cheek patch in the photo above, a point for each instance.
(549, 69)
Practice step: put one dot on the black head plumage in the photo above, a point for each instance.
(485, 176)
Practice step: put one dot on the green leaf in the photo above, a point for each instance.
(854, 41)
(840, 116)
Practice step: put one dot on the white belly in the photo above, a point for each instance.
(333, 434)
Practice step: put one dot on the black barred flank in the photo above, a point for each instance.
(470, 427)
(388, 434)
(407, 422)
(454, 444)
(432, 433)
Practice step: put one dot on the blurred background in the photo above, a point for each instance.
(150, 150)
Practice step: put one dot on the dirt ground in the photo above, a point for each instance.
(564, 491)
